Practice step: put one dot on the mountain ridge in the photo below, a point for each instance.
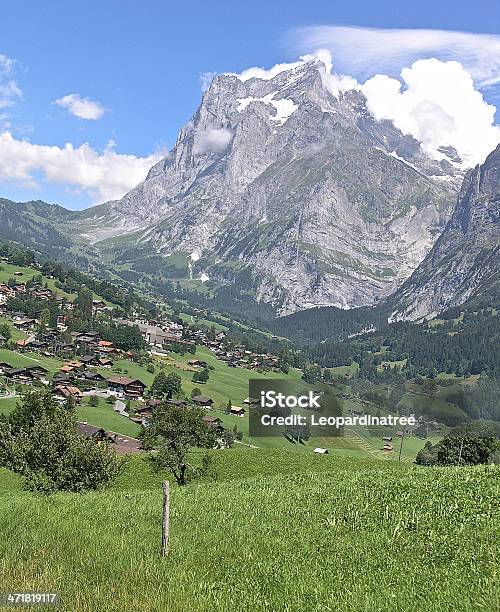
(271, 185)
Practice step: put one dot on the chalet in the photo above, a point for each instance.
(201, 400)
(89, 376)
(37, 369)
(22, 343)
(321, 451)
(128, 387)
(89, 360)
(4, 366)
(104, 344)
(213, 422)
(197, 363)
(105, 362)
(21, 375)
(99, 306)
(95, 433)
(63, 378)
(84, 340)
(74, 364)
(24, 323)
(65, 392)
(237, 411)
(38, 345)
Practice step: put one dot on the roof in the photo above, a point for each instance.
(105, 343)
(202, 399)
(321, 451)
(124, 380)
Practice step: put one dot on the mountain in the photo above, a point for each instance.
(33, 224)
(285, 189)
(464, 263)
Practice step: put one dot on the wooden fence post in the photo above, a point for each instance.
(165, 522)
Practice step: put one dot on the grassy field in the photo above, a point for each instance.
(104, 416)
(278, 531)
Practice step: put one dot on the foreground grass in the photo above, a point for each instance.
(340, 534)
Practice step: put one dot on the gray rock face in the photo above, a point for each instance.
(296, 190)
(465, 260)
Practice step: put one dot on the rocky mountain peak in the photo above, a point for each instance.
(285, 185)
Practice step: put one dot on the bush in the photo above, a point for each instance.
(40, 442)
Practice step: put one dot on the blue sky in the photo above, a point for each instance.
(141, 61)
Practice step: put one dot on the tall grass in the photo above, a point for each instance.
(340, 534)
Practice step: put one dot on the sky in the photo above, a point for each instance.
(93, 93)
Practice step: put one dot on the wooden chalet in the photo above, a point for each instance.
(128, 387)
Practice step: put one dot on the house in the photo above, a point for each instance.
(64, 392)
(213, 422)
(63, 378)
(21, 375)
(128, 387)
(89, 360)
(321, 451)
(201, 400)
(89, 376)
(98, 434)
(22, 343)
(4, 366)
(24, 323)
(105, 362)
(238, 411)
(37, 369)
(105, 344)
(197, 363)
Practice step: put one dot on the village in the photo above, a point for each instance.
(87, 369)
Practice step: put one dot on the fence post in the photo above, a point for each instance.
(165, 521)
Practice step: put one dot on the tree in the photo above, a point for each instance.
(229, 406)
(470, 444)
(297, 433)
(195, 392)
(5, 332)
(466, 450)
(166, 385)
(40, 442)
(44, 318)
(201, 377)
(173, 431)
(83, 304)
(94, 400)
(428, 455)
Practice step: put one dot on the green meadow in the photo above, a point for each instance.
(276, 531)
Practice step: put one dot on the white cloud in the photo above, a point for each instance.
(366, 51)
(10, 92)
(334, 82)
(212, 140)
(266, 73)
(439, 106)
(106, 176)
(84, 108)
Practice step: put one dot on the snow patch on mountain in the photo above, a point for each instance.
(284, 107)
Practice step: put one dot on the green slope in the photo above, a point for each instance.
(348, 535)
